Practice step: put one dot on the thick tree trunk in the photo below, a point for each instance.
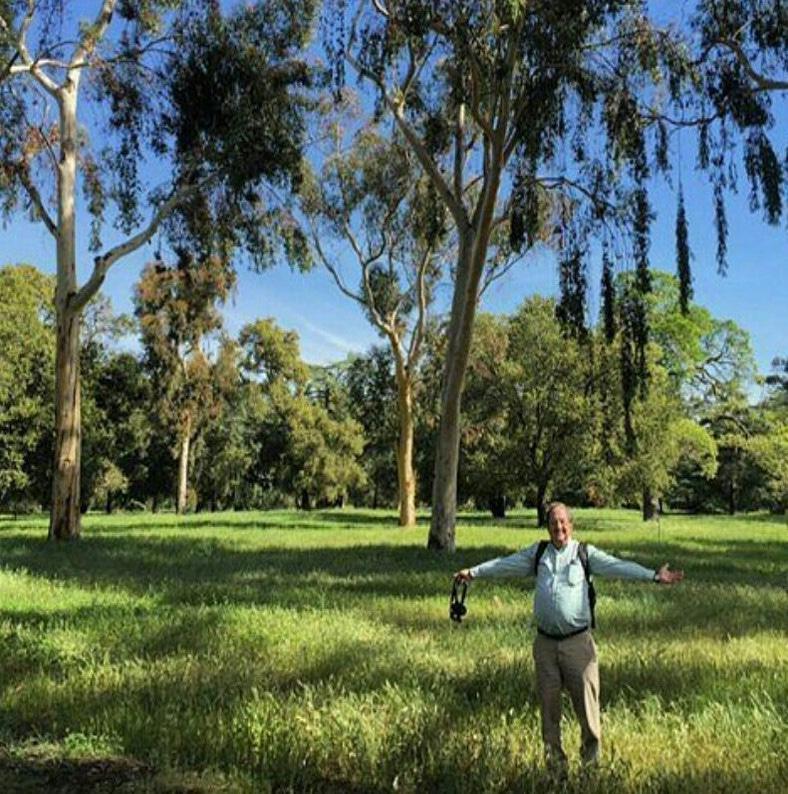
(406, 478)
(64, 523)
(447, 452)
(731, 497)
(183, 472)
(471, 258)
(650, 505)
(64, 520)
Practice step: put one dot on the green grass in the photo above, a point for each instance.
(313, 652)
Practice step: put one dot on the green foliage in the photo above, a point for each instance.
(300, 448)
(27, 351)
(271, 651)
(177, 307)
(529, 417)
(239, 94)
(272, 354)
(372, 399)
(683, 256)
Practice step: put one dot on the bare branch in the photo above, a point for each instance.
(101, 264)
(93, 35)
(459, 150)
(35, 198)
(380, 8)
(454, 203)
(329, 266)
(21, 47)
(493, 274)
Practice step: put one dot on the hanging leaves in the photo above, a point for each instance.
(683, 256)
(721, 224)
(608, 296)
(571, 307)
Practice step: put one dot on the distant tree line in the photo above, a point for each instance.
(474, 131)
(198, 420)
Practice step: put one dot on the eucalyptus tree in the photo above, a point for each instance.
(502, 101)
(370, 383)
(178, 311)
(368, 205)
(215, 96)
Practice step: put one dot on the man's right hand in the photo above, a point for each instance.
(463, 576)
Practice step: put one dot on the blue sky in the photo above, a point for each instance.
(754, 293)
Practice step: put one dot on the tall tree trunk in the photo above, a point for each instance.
(650, 505)
(541, 507)
(406, 477)
(470, 264)
(731, 497)
(183, 470)
(64, 520)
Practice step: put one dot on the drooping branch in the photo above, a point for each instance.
(35, 197)
(763, 82)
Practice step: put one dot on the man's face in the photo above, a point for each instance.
(560, 527)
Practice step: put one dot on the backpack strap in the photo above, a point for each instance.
(582, 554)
(540, 550)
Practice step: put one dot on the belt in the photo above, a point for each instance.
(561, 636)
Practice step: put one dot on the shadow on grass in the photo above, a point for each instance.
(54, 775)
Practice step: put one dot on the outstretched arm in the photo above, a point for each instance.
(607, 565)
(521, 563)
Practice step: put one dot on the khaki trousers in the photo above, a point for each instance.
(571, 664)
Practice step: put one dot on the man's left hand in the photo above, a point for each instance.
(666, 576)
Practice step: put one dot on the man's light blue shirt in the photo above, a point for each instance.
(561, 599)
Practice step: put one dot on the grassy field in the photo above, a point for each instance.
(313, 652)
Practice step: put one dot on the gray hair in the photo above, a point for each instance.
(553, 506)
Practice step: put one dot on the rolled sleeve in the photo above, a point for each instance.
(521, 563)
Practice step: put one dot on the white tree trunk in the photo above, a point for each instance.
(183, 471)
(406, 478)
(64, 523)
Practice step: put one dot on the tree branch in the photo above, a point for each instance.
(92, 35)
(21, 48)
(763, 82)
(453, 202)
(414, 349)
(101, 264)
(35, 198)
(331, 269)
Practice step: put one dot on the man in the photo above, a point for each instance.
(564, 650)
